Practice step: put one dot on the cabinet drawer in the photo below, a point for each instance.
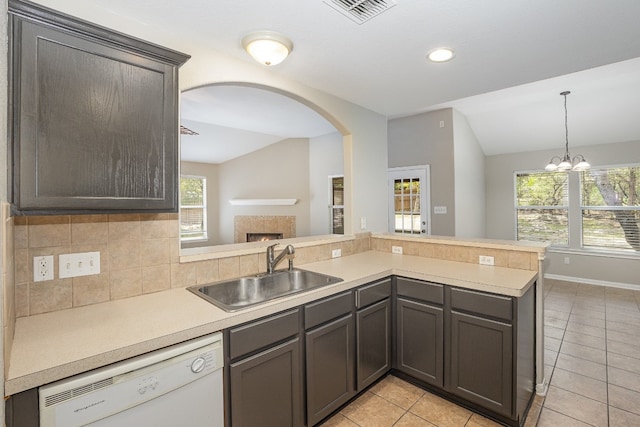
(418, 289)
(324, 310)
(486, 304)
(373, 292)
(262, 333)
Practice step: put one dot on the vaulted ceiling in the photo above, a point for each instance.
(513, 58)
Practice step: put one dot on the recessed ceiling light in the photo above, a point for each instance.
(441, 54)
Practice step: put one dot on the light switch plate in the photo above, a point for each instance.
(439, 210)
(79, 264)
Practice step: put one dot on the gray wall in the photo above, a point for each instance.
(588, 267)
(469, 180)
(419, 140)
(278, 171)
(325, 158)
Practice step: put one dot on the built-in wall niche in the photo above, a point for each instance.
(269, 227)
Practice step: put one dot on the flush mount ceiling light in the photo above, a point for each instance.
(565, 164)
(267, 47)
(441, 54)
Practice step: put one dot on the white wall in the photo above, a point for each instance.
(325, 158)
(501, 217)
(469, 180)
(419, 140)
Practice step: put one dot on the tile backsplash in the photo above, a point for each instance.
(139, 254)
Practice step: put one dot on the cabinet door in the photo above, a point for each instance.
(330, 368)
(373, 330)
(266, 389)
(94, 124)
(419, 341)
(481, 361)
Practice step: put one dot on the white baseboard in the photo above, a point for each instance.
(630, 286)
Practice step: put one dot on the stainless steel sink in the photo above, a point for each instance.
(236, 294)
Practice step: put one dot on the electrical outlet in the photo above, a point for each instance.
(396, 249)
(336, 253)
(486, 260)
(567, 260)
(79, 264)
(42, 268)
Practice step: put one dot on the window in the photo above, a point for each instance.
(193, 208)
(542, 207)
(611, 208)
(336, 196)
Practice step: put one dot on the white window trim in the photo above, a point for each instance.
(424, 172)
(203, 207)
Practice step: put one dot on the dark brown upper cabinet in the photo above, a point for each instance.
(94, 117)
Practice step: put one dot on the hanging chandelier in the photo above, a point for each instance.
(567, 163)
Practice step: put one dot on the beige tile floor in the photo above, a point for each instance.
(592, 357)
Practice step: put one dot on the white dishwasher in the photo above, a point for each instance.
(178, 385)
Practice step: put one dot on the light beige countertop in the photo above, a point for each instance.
(52, 346)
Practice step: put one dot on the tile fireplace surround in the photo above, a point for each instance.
(244, 224)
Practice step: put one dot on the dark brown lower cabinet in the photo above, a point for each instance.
(267, 388)
(474, 347)
(264, 381)
(419, 338)
(373, 326)
(482, 362)
(330, 367)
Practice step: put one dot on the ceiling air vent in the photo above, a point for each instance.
(360, 11)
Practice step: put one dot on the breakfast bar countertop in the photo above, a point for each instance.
(52, 346)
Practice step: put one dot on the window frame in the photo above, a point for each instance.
(582, 207)
(566, 207)
(205, 232)
(575, 212)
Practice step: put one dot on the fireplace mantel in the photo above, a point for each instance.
(263, 202)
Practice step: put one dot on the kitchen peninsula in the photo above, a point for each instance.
(84, 338)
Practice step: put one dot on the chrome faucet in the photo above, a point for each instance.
(273, 261)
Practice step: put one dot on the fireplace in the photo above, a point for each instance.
(265, 227)
(262, 237)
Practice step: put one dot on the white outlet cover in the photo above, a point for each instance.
(336, 253)
(486, 260)
(396, 249)
(42, 268)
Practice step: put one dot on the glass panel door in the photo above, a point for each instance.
(336, 204)
(408, 204)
